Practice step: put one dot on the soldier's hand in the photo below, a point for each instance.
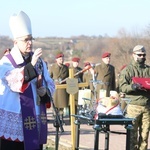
(37, 54)
(136, 86)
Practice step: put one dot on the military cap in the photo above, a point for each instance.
(106, 54)
(75, 59)
(59, 55)
(139, 48)
(87, 64)
(7, 50)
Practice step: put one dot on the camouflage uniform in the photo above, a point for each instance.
(139, 107)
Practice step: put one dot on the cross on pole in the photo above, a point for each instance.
(72, 88)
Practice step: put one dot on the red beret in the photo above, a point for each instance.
(87, 64)
(76, 59)
(67, 64)
(106, 55)
(59, 55)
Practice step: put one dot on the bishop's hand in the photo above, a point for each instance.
(41, 91)
(37, 54)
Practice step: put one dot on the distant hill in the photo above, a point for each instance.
(89, 49)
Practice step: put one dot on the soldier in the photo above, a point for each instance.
(139, 107)
(88, 76)
(76, 68)
(106, 74)
(78, 74)
(59, 72)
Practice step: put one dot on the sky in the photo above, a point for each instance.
(66, 18)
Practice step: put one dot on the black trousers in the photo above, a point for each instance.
(12, 145)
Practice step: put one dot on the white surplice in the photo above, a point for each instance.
(11, 81)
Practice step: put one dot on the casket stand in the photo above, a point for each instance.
(102, 125)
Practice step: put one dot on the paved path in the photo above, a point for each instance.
(116, 142)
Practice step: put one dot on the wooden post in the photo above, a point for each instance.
(72, 104)
(72, 111)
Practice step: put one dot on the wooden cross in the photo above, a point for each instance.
(72, 104)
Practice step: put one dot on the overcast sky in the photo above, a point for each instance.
(65, 18)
